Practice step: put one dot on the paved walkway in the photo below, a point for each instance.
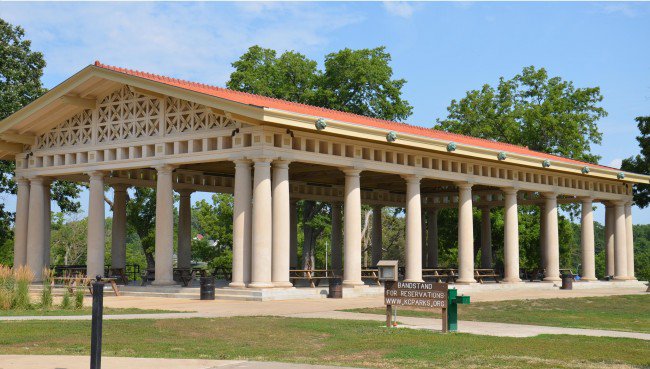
(82, 362)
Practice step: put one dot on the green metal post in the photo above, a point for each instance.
(452, 311)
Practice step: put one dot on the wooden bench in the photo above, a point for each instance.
(314, 276)
(119, 274)
(532, 274)
(184, 275)
(481, 274)
(71, 283)
(372, 274)
(440, 274)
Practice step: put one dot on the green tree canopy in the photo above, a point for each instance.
(641, 163)
(545, 114)
(21, 70)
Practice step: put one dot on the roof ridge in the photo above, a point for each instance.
(450, 135)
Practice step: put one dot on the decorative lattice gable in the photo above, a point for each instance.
(187, 116)
(73, 131)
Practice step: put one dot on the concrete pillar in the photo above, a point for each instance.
(96, 224)
(164, 226)
(352, 230)
(486, 238)
(241, 225)
(281, 254)
(35, 228)
(261, 245)
(413, 230)
(337, 239)
(552, 246)
(620, 242)
(47, 222)
(20, 225)
(629, 238)
(376, 237)
(118, 231)
(609, 241)
(465, 234)
(293, 234)
(542, 237)
(184, 259)
(432, 238)
(511, 237)
(587, 241)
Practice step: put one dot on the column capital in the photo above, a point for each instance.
(587, 200)
(262, 160)
(242, 162)
(510, 190)
(411, 178)
(464, 185)
(549, 195)
(619, 203)
(281, 164)
(21, 181)
(351, 172)
(36, 179)
(119, 187)
(95, 175)
(185, 192)
(165, 168)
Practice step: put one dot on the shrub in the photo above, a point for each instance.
(7, 283)
(46, 294)
(79, 295)
(23, 277)
(66, 303)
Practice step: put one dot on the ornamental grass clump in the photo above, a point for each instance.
(23, 277)
(66, 303)
(79, 294)
(7, 283)
(46, 294)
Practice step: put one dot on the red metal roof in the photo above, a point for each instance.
(268, 102)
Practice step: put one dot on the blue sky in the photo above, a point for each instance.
(441, 49)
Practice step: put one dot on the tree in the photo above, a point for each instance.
(545, 114)
(641, 163)
(21, 70)
(214, 222)
(141, 218)
(354, 81)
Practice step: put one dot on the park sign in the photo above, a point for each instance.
(418, 294)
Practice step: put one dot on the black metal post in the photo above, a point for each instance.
(96, 330)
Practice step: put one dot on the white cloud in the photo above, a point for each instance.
(399, 8)
(191, 40)
(619, 8)
(615, 163)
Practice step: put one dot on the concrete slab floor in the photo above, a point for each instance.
(82, 362)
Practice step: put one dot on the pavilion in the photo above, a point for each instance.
(110, 126)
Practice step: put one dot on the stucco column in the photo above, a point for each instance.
(376, 237)
(413, 230)
(620, 242)
(184, 259)
(337, 239)
(352, 230)
(35, 228)
(486, 238)
(511, 237)
(118, 231)
(552, 246)
(96, 222)
(47, 222)
(465, 234)
(293, 234)
(261, 250)
(20, 225)
(609, 241)
(542, 237)
(432, 237)
(587, 241)
(164, 226)
(241, 224)
(281, 225)
(629, 238)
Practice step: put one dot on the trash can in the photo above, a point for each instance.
(335, 288)
(207, 288)
(567, 281)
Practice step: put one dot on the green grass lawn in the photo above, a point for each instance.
(82, 311)
(622, 313)
(319, 341)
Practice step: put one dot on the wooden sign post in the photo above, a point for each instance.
(420, 294)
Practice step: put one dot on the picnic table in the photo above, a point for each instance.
(314, 276)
